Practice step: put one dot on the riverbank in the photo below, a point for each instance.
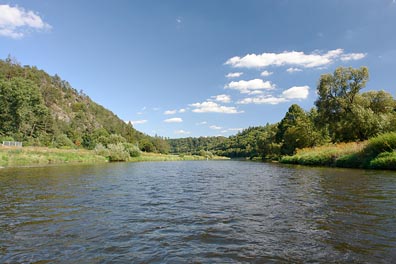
(376, 153)
(41, 156)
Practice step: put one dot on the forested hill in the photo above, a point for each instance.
(342, 113)
(44, 110)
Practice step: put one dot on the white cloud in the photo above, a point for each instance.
(234, 74)
(255, 92)
(296, 58)
(296, 92)
(15, 21)
(212, 107)
(262, 100)
(138, 122)
(291, 70)
(215, 127)
(266, 73)
(182, 132)
(170, 112)
(247, 86)
(353, 56)
(223, 98)
(173, 120)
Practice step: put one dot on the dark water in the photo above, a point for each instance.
(196, 212)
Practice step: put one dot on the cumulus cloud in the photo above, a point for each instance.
(16, 21)
(262, 100)
(353, 56)
(234, 74)
(266, 73)
(291, 70)
(215, 127)
(295, 58)
(296, 92)
(255, 92)
(138, 122)
(170, 112)
(173, 120)
(213, 107)
(247, 86)
(182, 132)
(223, 98)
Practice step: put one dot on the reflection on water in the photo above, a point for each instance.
(207, 211)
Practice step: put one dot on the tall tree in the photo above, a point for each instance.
(337, 102)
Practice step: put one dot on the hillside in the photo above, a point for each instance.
(43, 110)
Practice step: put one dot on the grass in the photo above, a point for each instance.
(40, 156)
(376, 153)
(161, 157)
(31, 156)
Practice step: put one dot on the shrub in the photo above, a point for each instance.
(385, 160)
(101, 150)
(62, 141)
(133, 150)
(382, 143)
(117, 152)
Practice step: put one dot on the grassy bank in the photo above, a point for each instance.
(161, 157)
(376, 153)
(37, 156)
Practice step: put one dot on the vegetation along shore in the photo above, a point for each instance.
(58, 124)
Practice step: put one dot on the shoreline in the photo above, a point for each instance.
(25, 157)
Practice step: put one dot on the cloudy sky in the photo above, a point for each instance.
(181, 68)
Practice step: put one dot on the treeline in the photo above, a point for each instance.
(43, 110)
(341, 114)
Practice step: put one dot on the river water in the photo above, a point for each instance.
(196, 212)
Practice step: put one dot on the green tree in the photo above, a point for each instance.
(337, 101)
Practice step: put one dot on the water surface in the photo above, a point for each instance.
(196, 212)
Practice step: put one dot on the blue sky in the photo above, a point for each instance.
(201, 68)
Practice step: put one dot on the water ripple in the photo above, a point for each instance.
(196, 212)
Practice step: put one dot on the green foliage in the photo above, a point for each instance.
(36, 108)
(380, 144)
(117, 152)
(297, 130)
(349, 115)
(101, 150)
(133, 150)
(386, 160)
(376, 153)
(63, 141)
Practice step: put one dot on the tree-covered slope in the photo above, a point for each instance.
(45, 110)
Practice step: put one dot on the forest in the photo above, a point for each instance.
(42, 110)
(342, 113)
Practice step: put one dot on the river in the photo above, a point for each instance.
(196, 212)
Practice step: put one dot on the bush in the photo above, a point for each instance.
(133, 150)
(101, 150)
(62, 141)
(382, 143)
(386, 160)
(117, 152)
